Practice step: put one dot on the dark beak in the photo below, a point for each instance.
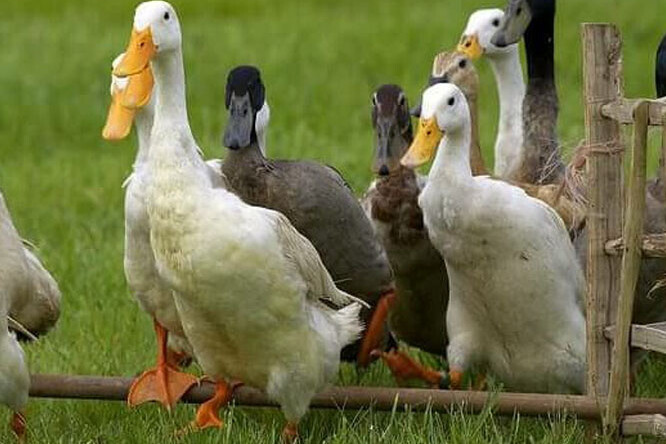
(238, 133)
(416, 111)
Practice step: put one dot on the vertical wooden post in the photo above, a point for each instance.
(631, 261)
(602, 76)
(662, 158)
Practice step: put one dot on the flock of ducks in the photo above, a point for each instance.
(269, 272)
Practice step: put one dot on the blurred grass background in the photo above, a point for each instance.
(321, 62)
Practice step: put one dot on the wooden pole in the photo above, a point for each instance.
(662, 158)
(379, 398)
(602, 78)
(631, 261)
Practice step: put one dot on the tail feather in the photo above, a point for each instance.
(348, 323)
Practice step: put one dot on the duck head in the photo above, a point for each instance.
(453, 67)
(155, 32)
(249, 114)
(443, 110)
(129, 95)
(477, 37)
(518, 16)
(393, 128)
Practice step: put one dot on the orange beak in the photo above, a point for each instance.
(119, 120)
(125, 103)
(424, 145)
(140, 50)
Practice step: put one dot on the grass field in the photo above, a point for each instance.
(320, 62)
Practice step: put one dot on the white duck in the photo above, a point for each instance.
(131, 101)
(515, 303)
(16, 283)
(505, 63)
(249, 287)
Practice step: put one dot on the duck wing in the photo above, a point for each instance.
(304, 257)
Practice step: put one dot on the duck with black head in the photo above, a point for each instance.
(316, 200)
(535, 20)
(391, 203)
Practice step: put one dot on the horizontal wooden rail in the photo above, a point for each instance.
(654, 245)
(650, 337)
(622, 111)
(380, 398)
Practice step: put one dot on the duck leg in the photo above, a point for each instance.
(290, 432)
(18, 425)
(405, 368)
(164, 383)
(375, 330)
(208, 413)
(456, 378)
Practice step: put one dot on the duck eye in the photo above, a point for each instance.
(519, 10)
(166, 16)
(451, 101)
(462, 63)
(496, 23)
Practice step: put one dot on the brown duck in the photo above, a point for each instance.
(391, 203)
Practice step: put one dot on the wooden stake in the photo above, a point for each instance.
(602, 75)
(631, 261)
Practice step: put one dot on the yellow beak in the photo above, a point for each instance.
(469, 45)
(119, 120)
(140, 50)
(424, 145)
(124, 104)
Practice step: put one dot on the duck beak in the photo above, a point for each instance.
(119, 120)
(238, 133)
(124, 104)
(469, 45)
(140, 50)
(424, 145)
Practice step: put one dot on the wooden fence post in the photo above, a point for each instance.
(631, 261)
(602, 76)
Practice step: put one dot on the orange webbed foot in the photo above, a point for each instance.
(208, 413)
(405, 368)
(163, 384)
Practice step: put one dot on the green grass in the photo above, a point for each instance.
(320, 62)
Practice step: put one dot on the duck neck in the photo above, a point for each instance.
(245, 158)
(451, 163)
(171, 108)
(540, 44)
(511, 91)
(476, 158)
(143, 122)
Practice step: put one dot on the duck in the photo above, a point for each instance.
(534, 19)
(317, 201)
(505, 64)
(255, 300)
(391, 204)
(457, 68)
(18, 280)
(516, 304)
(164, 383)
